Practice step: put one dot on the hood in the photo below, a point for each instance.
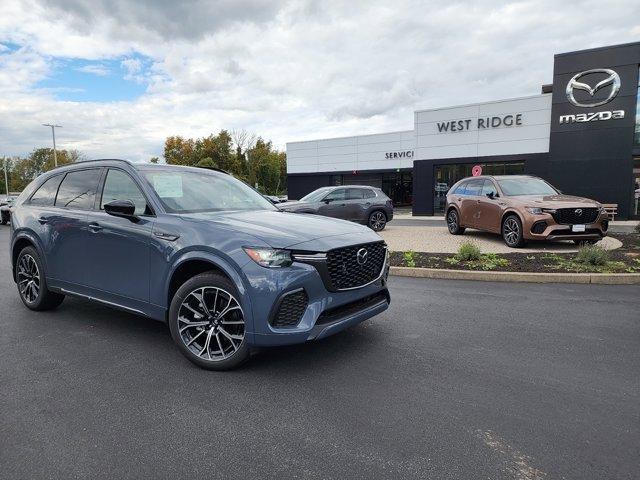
(292, 205)
(554, 201)
(282, 229)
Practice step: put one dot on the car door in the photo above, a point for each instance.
(469, 202)
(356, 204)
(65, 227)
(334, 203)
(489, 208)
(118, 248)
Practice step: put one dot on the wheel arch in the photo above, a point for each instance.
(21, 240)
(194, 263)
(507, 213)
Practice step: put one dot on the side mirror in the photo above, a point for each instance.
(327, 201)
(121, 208)
(491, 195)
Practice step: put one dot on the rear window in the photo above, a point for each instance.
(45, 195)
(368, 193)
(460, 189)
(78, 189)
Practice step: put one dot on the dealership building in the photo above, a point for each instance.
(581, 133)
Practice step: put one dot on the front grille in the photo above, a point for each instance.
(291, 308)
(354, 266)
(572, 216)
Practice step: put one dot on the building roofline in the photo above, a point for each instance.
(483, 103)
(595, 49)
(350, 136)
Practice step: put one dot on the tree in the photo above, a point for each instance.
(240, 153)
(154, 160)
(23, 170)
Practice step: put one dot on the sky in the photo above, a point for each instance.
(122, 75)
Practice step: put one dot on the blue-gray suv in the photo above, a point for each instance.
(197, 249)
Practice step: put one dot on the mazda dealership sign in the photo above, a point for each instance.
(583, 82)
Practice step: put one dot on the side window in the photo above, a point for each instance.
(45, 196)
(488, 188)
(339, 194)
(474, 187)
(120, 186)
(78, 189)
(460, 189)
(368, 193)
(355, 194)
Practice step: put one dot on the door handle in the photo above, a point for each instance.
(43, 220)
(94, 227)
(477, 201)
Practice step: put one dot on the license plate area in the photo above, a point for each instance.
(578, 228)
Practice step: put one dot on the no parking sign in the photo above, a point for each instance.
(476, 171)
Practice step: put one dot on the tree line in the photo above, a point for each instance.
(240, 153)
(22, 170)
(244, 155)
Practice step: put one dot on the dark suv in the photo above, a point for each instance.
(361, 204)
(197, 249)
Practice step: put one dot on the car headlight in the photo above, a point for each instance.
(269, 257)
(539, 211)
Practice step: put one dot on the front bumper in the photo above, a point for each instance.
(325, 313)
(544, 227)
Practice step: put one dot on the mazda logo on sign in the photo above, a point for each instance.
(578, 212)
(612, 80)
(361, 256)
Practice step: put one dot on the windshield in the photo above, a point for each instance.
(316, 195)
(525, 186)
(183, 191)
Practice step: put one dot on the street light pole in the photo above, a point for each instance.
(6, 181)
(53, 134)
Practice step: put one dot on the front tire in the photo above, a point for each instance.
(32, 283)
(377, 221)
(207, 322)
(453, 223)
(512, 231)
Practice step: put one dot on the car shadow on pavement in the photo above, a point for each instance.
(130, 334)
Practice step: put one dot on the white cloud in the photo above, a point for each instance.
(95, 69)
(286, 70)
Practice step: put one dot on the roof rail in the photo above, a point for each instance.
(95, 160)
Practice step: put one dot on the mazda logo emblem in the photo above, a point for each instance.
(578, 211)
(361, 256)
(612, 79)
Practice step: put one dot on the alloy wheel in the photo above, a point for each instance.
(377, 221)
(511, 231)
(211, 323)
(452, 221)
(28, 278)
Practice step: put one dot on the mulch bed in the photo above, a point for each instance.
(544, 262)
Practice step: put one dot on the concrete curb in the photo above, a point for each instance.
(531, 277)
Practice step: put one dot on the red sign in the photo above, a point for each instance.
(476, 171)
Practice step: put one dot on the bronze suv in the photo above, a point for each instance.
(521, 208)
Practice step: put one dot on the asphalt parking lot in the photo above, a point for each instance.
(457, 380)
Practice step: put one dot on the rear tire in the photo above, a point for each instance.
(377, 221)
(453, 222)
(207, 322)
(32, 282)
(512, 231)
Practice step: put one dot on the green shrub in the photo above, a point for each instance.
(409, 258)
(468, 251)
(593, 255)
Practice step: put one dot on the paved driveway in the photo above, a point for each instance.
(437, 239)
(458, 380)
